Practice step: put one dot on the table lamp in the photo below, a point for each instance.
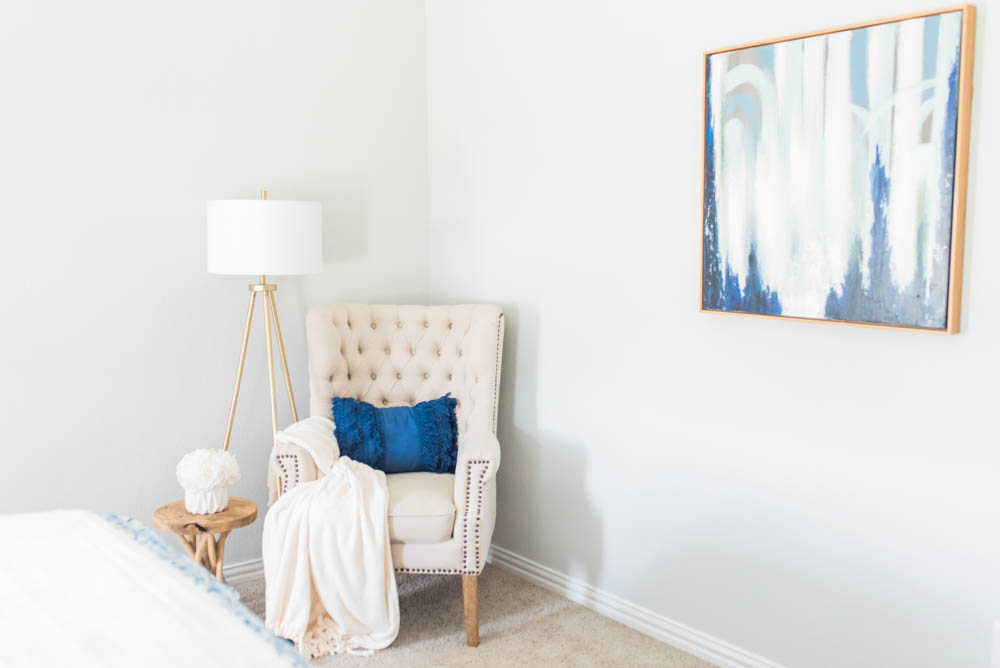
(260, 238)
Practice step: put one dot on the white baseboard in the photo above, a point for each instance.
(244, 571)
(641, 619)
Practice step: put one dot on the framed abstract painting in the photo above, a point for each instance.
(835, 166)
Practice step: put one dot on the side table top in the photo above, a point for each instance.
(174, 517)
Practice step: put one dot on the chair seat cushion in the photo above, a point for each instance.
(421, 507)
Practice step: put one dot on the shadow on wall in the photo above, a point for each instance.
(543, 512)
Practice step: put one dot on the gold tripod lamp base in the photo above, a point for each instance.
(270, 321)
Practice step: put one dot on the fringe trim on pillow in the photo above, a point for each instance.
(357, 432)
(438, 433)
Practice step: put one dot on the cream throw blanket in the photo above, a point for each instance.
(327, 560)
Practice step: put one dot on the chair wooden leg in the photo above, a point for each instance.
(470, 599)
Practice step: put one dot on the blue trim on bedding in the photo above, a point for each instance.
(207, 582)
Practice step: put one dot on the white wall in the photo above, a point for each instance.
(820, 495)
(118, 119)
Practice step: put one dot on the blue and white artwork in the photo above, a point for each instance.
(829, 174)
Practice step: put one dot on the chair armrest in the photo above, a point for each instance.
(289, 465)
(475, 497)
(479, 446)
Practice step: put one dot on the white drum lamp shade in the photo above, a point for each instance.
(264, 237)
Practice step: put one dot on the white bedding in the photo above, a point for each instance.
(78, 589)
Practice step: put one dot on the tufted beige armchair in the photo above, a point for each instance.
(397, 356)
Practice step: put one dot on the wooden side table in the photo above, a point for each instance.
(197, 532)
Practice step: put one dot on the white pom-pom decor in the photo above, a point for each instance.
(205, 476)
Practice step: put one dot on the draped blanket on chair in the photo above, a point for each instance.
(327, 559)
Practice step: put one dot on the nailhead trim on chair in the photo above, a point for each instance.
(479, 500)
(479, 508)
(496, 374)
(442, 571)
(284, 470)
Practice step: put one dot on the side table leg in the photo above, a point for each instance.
(199, 553)
(188, 544)
(221, 552)
(206, 550)
(210, 556)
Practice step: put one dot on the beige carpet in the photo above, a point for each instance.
(520, 624)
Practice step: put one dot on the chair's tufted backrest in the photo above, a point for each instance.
(400, 355)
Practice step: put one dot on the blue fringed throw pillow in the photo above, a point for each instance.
(399, 439)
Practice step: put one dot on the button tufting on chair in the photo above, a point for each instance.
(331, 379)
(385, 402)
(386, 351)
(399, 325)
(373, 325)
(398, 375)
(426, 376)
(426, 324)
(450, 325)
(449, 376)
(373, 375)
